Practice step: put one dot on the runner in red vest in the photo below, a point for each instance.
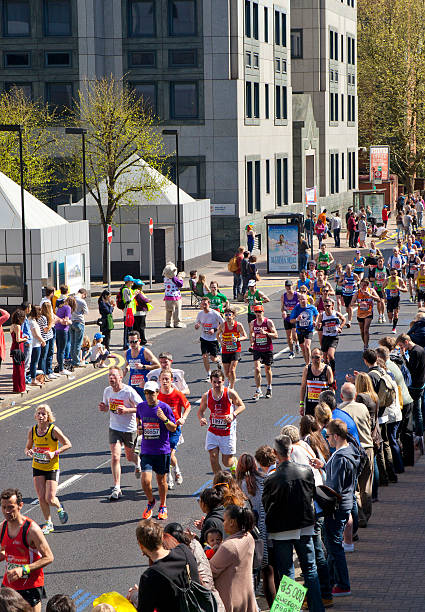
(25, 549)
(224, 405)
(261, 332)
(230, 334)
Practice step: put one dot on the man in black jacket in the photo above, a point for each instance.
(288, 503)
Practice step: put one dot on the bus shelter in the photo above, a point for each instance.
(283, 236)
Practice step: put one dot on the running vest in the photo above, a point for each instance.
(420, 282)
(311, 274)
(218, 410)
(392, 288)
(412, 266)
(358, 264)
(290, 303)
(19, 553)
(315, 385)
(330, 323)
(365, 302)
(40, 461)
(230, 340)
(252, 297)
(317, 290)
(261, 341)
(379, 278)
(349, 285)
(323, 261)
(137, 377)
(305, 283)
(396, 262)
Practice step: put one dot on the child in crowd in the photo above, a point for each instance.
(213, 538)
(98, 353)
(201, 286)
(192, 280)
(85, 348)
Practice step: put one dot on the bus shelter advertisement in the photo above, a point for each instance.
(282, 248)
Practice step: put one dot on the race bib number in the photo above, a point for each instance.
(261, 339)
(231, 347)
(349, 289)
(39, 455)
(137, 380)
(114, 404)
(11, 566)
(303, 322)
(151, 431)
(394, 292)
(364, 306)
(422, 285)
(219, 423)
(207, 326)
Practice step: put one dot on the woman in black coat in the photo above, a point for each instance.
(106, 307)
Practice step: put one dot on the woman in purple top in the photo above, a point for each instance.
(288, 302)
(63, 312)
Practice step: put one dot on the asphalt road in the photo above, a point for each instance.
(97, 550)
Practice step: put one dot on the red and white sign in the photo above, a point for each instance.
(379, 159)
(109, 234)
(150, 226)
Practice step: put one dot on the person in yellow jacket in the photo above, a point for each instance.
(43, 446)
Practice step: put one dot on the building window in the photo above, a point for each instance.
(182, 57)
(351, 50)
(182, 17)
(342, 47)
(59, 96)
(248, 18)
(255, 60)
(248, 59)
(17, 60)
(257, 169)
(249, 187)
(267, 176)
(281, 181)
(58, 58)
(334, 172)
(336, 106)
(284, 66)
(283, 33)
(278, 103)
(281, 102)
(267, 101)
(146, 92)
(351, 108)
(184, 100)
(25, 88)
(144, 59)
(342, 166)
(277, 28)
(333, 45)
(248, 100)
(342, 107)
(277, 64)
(351, 168)
(266, 24)
(16, 18)
(141, 18)
(57, 17)
(256, 100)
(296, 44)
(331, 107)
(280, 28)
(255, 20)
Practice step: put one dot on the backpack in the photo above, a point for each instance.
(361, 451)
(119, 298)
(399, 361)
(386, 391)
(233, 266)
(25, 528)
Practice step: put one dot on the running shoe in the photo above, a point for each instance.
(393, 331)
(257, 396)
(47, 528)
(338, 592)
(291, 354)
(162, 513)
(179, 477)
(170, 481)
(63, 515)
(384, 320)
(116, 493)
(268, 393)
(148, 510)
(348, 325)
(297, 348)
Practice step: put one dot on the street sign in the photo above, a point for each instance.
(151, 226)
(109, 234)
(379, 163)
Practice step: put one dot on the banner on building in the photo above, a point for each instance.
(74, 272)
(282, 248)
(311, 196)
(379, 164)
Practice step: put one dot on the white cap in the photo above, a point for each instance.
(151, 385)
(251, 283)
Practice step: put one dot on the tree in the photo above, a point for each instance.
(391, 82)
(38, 139)
(121, 136)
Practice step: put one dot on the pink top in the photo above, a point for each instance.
(4, 316)
(172, 288)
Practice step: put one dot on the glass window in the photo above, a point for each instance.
(278, 181)
(276, 28)
(248, 60)
(189, 176)
(182, 17)
(58, 59)
(266, 100)
(255, 20)
(248, 99)
(248, 18)
(57, 17)
(182, 57)
(257, 171)
(267, 176)
(284, 102)
(141, 18)
(278, 103)
(249, 187)
(285, 180)
(283, 30)
(296, 44)
(26, 88)
(256, 60)
(143, 58)
(17, 59)
(17, 17)
(266, 24)
(59, 95)
(184, 100)
(256, 100)
(147, 93)
(331, 44)
(277, 64)
(283, 65)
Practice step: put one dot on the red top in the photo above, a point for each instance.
(385, 214)
(230, 340)
(177, 401)
(219, 409)
(261, 341)
(19, 554)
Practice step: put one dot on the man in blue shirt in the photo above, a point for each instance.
(328, 397)
(305, 316)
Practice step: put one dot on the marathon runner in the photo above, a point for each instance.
(349, 286)
(224, 406)
(331, 322)
(305, 316)
(319, 303)
(177, 375)
(209, 320)
(321, 283)
(397, 261)
(139, 360)
(230, 334)
(155, 421)
(378, 277)
(218, 301)
(43, 446)
(261, 333)
(288, 301)
(311, 270)
(339, 279)
(317, 376)
(180, 406)
(25, 550)
(412, 266)
(420, 284)
(303, 281)
(121, 402)
(359, 264)
(324, 259)
(393, 285)
(252, 297)
(304, 291)
(365, 297)
(372, 259)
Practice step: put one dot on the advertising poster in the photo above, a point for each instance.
(11, 280)
(282, 249)
(379, 164)
(74, 272)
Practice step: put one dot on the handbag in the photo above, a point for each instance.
(110, 322)
(129, 318)
(328, 499)
(18, 356)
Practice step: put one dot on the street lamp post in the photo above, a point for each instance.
(10, 127)
(180, 262)
(82, 132)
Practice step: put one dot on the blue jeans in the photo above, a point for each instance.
(76, 333)
(334, 530)
(237, 285)
(392, 429)
(375, 484)
(321, 563)
(302, 258)
(35, 356)
(61, 340)
(337, 237)
(418, 424)
(283, 555)
(46, 356)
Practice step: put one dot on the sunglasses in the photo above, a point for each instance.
(133, 341)
(228, 314)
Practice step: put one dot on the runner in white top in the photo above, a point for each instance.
(178, 380)
(209, 321)
(121, 402)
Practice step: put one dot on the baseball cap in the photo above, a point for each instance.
(258, 308)
(138, 282)
(98, 336)
(288, 283)
(128, 278)
(251, 283)
(151, 385)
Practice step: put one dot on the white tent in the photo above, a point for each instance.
(37, 214)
